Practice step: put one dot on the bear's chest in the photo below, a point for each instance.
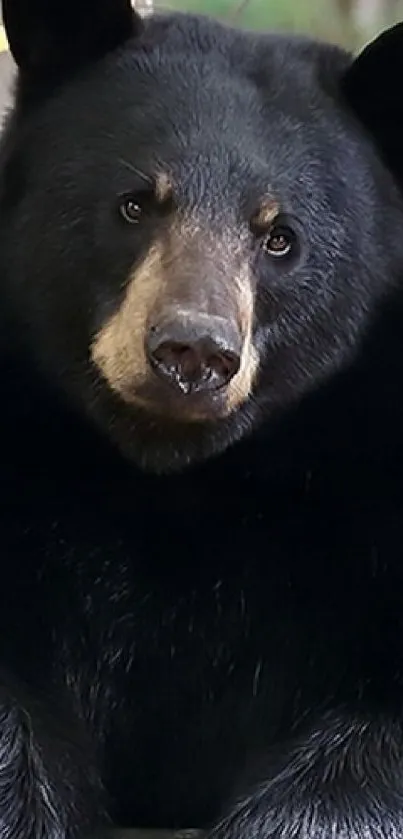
(191, 623)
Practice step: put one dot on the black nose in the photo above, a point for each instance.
(198, 353)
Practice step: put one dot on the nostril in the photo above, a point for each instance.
(198, 365)
(175, 356)
(225, 364)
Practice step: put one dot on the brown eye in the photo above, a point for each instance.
(131, 210)
(280, 242)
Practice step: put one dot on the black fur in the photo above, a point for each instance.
(51, 40)
(219, 646)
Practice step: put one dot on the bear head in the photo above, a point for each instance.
(198, 223)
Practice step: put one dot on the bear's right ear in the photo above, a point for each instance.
(50, 39)
(371, 87)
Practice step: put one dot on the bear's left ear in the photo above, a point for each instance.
(371, 86)
(56, 37)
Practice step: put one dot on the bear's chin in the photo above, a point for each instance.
(161, 445)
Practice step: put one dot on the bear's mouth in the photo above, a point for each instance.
(164, 435)
(160, 401)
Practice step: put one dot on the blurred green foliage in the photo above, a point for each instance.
(321, 18)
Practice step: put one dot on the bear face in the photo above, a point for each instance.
(213, 222)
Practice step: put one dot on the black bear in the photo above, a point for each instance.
(201, 447)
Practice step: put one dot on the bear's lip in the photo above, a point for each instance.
(160, 399)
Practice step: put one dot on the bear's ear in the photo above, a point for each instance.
(371, 86)
(57, 37)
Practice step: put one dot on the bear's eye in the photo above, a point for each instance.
(131, 209)
(280, 241)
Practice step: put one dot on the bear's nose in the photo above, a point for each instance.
(195, 353)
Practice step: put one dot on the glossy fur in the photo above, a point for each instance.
(216, 641)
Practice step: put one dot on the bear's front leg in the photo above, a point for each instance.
(48, 787)
(342, 780)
